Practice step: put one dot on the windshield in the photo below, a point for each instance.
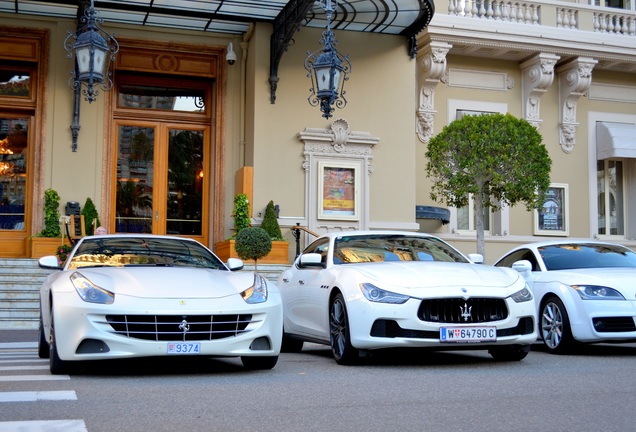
(113, 251)
(586, 255)
(380, 248)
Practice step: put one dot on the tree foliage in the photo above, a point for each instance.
(241, 213)
(51, 214)
(252, 243)
(270, 222)
(497, 158)
(91, 217)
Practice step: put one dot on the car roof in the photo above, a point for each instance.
(334, 234)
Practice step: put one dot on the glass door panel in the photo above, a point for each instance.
(135, 179)
(185, 182)
(13, 172)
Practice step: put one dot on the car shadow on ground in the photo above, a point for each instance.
(594, 350)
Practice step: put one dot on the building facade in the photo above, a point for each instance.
(182, 131)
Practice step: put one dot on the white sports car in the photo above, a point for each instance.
(359, 291)
(122, 296)
(584, 291)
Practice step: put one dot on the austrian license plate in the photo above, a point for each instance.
(184, 348)
(468, 334)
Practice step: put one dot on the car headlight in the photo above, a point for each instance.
(523, 295)
(89, 292)
(594, 292)
(378, 295)
(257, 293)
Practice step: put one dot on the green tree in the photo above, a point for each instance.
(91, 217)
(241, 213)
(252, 243)
(51, 214)
(270, 222)
(497, 158)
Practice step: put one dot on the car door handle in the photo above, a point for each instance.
(285, 280)
(302, 282)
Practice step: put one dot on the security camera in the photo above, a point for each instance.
(230, 56)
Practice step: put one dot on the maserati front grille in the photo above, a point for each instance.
(179, 327)
(463, 311)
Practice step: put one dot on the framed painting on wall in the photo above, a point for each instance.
(338, 187)
(552, 217)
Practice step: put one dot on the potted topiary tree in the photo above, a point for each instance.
(280, 247)
(252, 243)
(91, 217)
(47, 240)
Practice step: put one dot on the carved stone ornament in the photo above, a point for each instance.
(575, 79)
(432, 72)
(537, 76)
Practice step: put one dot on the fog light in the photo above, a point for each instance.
(261, 344)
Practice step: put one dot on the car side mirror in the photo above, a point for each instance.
(234, 264)
(476, 258)
(523, 266)
(310, 260)
(49, 262)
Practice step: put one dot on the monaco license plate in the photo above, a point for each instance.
(468, 334)
(184, 348)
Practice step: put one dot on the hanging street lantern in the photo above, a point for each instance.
(328, 71)
(94, 50)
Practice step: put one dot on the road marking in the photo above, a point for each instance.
(12, 345)
(44, 426)
(15, 368)
(34, 378)
(22, 360)
(33, 396)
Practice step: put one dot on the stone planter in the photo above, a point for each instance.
(278, 255)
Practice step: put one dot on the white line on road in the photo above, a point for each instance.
(44, 426)
(34, 378)
(18, 345)
(33, 396)
(15, 368)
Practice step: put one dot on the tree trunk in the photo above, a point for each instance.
(479, 224)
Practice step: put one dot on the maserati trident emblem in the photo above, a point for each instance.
(465, 311)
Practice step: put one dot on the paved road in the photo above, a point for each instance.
(594, 390)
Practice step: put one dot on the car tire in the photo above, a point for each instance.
(56, 364)
(555, 326)
(291, 345)
(43, 345)
(510, 353)
(343, 352)
(259, 363)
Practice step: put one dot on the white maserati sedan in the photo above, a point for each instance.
(585, 291)
(123, 296)
(359, 291)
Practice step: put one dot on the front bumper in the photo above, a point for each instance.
(83, 331)
(603, 320)
(377, 326)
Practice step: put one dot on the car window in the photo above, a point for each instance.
(521, 254)
(350, 249)
(586, 255)
(114, 251)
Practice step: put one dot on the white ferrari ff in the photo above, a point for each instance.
(584, 291)
(122, 296)
(367, 290)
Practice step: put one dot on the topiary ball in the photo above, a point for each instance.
(252, 243)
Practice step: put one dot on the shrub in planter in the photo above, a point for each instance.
(51, 214)
(252, 243)
(270, 223)
(241, 213)
(90, 215)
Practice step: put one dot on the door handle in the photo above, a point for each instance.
(302, 282)
(157, 215)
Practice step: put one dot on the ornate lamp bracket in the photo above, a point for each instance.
(537, 76)
(432, 72)
(575, 79)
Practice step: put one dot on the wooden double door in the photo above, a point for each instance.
(162, 178)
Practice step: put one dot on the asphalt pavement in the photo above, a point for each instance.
(13, 336)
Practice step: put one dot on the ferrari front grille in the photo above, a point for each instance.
(463, 311)
(179, 327)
